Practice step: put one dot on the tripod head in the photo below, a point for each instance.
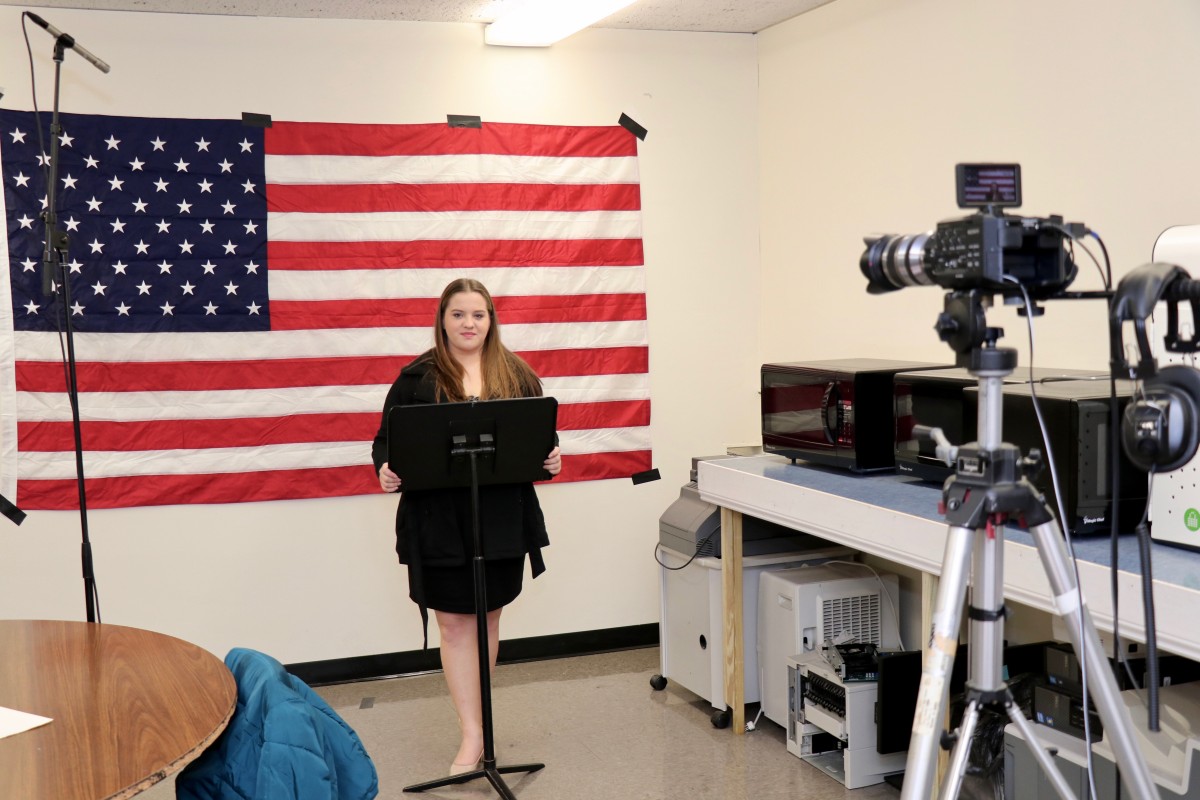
(986, 462)
(963, 325)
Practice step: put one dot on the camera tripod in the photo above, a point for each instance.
(987, 489)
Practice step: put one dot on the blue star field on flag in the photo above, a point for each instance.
(166, 220)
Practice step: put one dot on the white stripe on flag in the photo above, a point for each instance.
(470, 168)
(365, 284)
(603, 440)
(281, 402)
(124, 347)
(111, 464)
(402, 226)
(598, 388)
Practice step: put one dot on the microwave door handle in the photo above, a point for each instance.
(831, 411)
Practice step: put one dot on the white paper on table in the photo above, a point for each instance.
(13, 722)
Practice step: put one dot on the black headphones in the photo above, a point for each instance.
(1160, 430)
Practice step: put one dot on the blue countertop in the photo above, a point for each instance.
(920, 499)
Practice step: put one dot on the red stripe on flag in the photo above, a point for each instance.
(292, 315)
(153, 490)
(612, 414)
(497, 138)
(588, 361)
(455, 253)
(158, 490)
(599, 466)
(326, 198)
(198, 434)
(103, 376)
(570, 308)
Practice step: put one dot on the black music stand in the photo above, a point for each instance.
(441, 446)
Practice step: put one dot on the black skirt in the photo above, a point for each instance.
(452, 589)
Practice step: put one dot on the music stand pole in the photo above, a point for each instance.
(463, 446)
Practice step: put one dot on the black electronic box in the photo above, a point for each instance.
(1077, 418)
(935, 398)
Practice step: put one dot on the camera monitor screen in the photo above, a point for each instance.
(988, 185)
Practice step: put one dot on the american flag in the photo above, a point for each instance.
(242, 296)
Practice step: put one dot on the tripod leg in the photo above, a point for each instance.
(952, 782)
(1118, 726)
(922, 761)
(1043, 758)
(984, 680)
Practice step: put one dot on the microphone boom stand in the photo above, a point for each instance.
(54, 280)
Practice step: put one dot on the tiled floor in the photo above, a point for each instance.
(597, 725)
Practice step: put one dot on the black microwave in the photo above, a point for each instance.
(838, 413)
(1077, 417)
(937, 399)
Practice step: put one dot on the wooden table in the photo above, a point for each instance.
(129, 708)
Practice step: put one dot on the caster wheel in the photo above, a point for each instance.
(658, 683)
(721, 719)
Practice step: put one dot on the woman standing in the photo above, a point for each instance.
(433, 527)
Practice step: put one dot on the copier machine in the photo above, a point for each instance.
(692, 615)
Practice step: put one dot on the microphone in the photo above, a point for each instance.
(69, 41)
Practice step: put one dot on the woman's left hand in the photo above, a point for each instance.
(553, 462)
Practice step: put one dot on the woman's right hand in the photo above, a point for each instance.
(388, 480)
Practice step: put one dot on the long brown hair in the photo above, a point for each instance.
(505, 374)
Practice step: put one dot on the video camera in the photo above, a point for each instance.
(988, 250)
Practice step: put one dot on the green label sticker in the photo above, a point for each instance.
(1191, 518)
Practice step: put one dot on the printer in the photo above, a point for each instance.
(692, 526)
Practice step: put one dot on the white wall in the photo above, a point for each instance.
(866, 105)
(317, 579)
(842, 122)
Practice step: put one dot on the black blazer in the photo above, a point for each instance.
(433, 527)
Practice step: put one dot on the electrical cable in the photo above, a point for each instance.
(1115, 490)
(1105, 274)
(699, 547)
(1107, 260)
(1066, 529)
(1153, 679)
(891, 603)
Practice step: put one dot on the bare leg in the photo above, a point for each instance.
(460, 665)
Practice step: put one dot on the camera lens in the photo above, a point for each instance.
(892, 262)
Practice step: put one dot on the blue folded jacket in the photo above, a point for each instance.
(283, 743)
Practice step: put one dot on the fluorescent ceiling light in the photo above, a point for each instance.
(541, 23)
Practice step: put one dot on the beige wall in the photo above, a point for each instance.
(845, 121)
(866, 105)
(317, 579)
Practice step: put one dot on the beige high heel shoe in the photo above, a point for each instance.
(459, 769)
